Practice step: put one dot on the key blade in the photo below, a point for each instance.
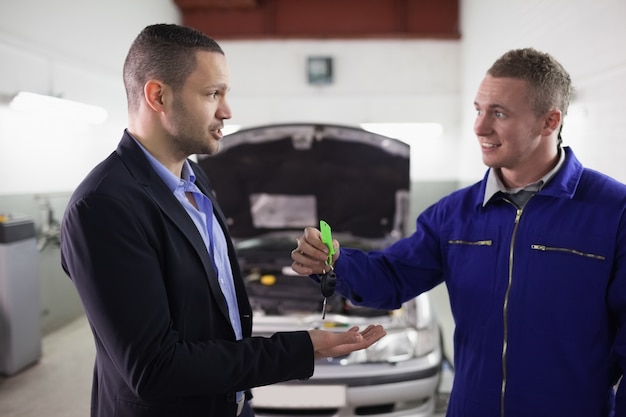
(324, 309)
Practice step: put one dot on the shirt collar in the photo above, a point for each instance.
(171, 181)
(494, 185)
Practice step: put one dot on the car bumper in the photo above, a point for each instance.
(381, 390)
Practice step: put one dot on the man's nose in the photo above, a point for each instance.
(482, 125)
(224, 111)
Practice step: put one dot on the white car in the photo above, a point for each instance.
(273, 181)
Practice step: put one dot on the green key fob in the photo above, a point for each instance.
(327, 239)
(328, 280)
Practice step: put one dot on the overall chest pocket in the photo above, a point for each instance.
(563, 290)
(471, 264)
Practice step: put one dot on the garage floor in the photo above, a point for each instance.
(59, 385)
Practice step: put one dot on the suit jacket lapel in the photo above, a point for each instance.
(141, 169)
(245, 310)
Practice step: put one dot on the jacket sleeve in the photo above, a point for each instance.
(387, 278)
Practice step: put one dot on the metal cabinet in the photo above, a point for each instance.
(20, 326)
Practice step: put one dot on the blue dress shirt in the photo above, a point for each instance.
(210, 230)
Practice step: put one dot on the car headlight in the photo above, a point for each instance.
(399, 345)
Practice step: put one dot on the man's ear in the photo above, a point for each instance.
(153, 93)
(552, 121)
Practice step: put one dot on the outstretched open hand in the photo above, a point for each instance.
(331, 344)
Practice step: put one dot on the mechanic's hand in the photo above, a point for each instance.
(310, 256)
(329, 344)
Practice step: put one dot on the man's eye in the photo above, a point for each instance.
(213, 94)
(499, 114)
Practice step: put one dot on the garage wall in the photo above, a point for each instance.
(586, 37)
(74, 49)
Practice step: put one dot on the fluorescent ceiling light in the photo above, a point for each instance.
(406, 132)
(58, 107)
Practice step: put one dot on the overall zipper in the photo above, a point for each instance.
(505, 308)
(567, 250)
(471, 243)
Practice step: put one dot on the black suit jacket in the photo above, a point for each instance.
(164, 343)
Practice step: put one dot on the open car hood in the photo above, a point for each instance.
(289, 176)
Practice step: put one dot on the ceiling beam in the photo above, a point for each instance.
(285, 19)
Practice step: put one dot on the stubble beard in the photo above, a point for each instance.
(187, 136)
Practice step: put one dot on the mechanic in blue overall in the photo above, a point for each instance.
(533, 257)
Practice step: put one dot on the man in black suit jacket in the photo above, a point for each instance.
(148, 250)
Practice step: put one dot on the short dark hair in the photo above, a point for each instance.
(549, 84)
(166, 52)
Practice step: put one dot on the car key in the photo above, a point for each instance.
(328, 280)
